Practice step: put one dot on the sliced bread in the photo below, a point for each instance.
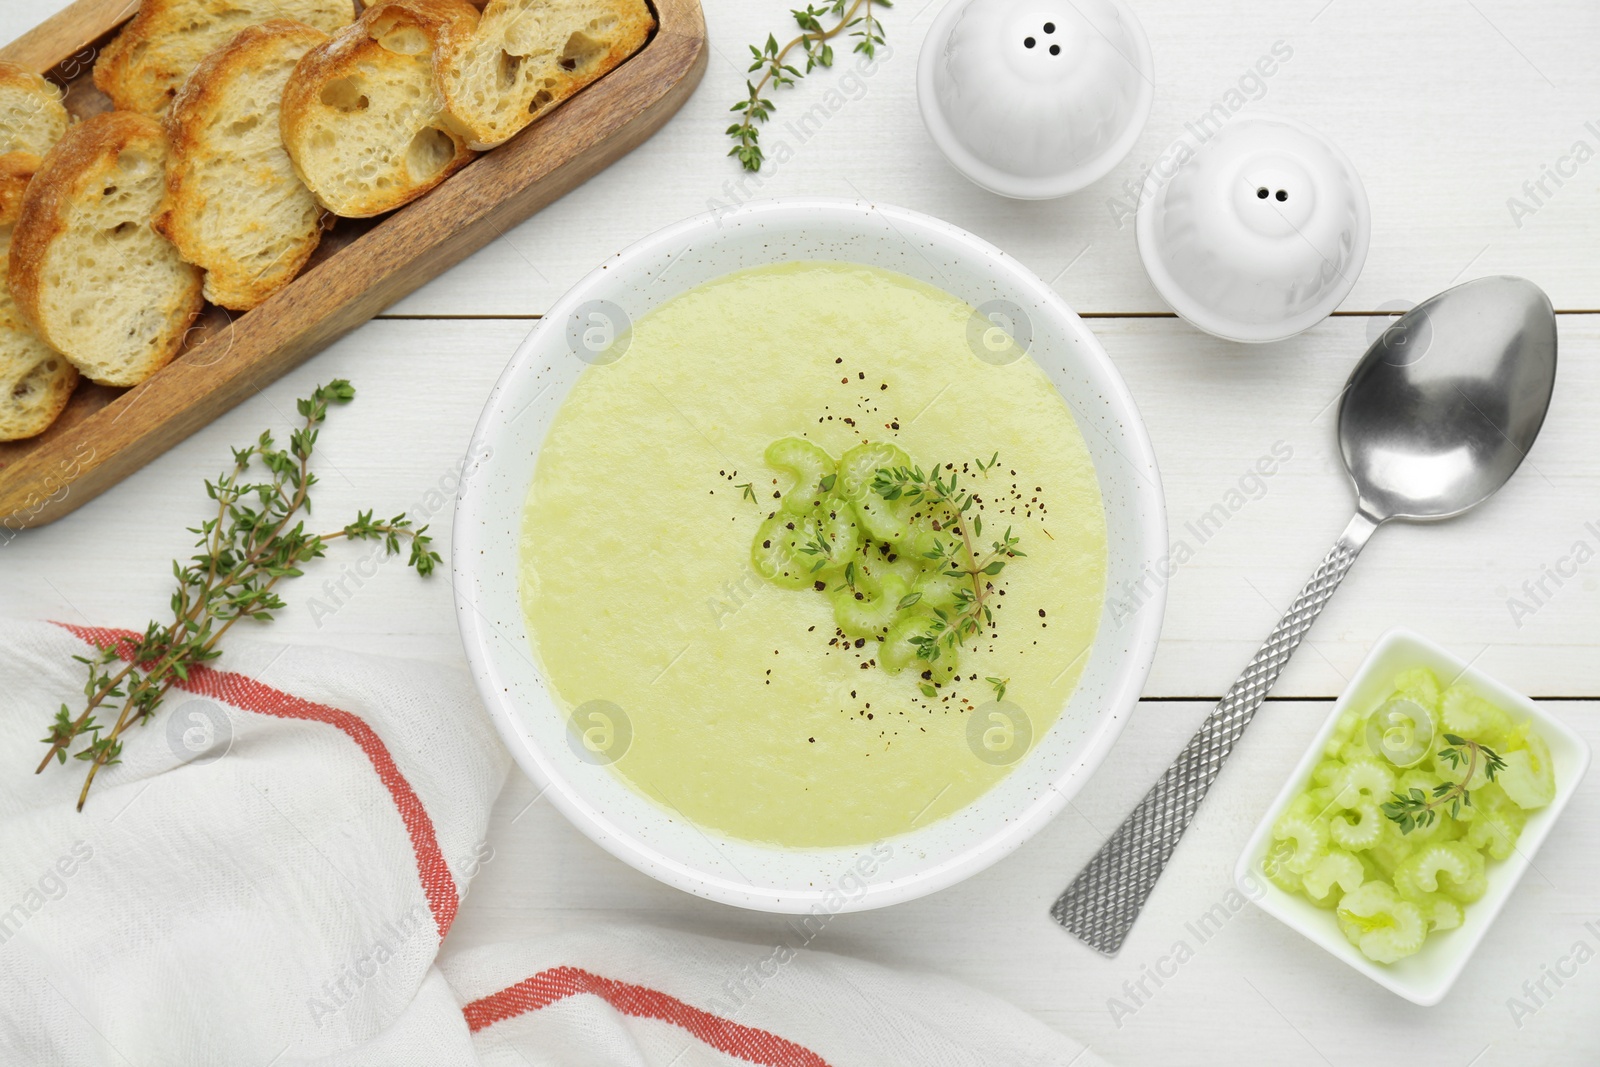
(88, 271)
(234, 205)
(35, 380)
(32, 117)
(363, 117)
(16, 170)
(143, 66)
(529, 55)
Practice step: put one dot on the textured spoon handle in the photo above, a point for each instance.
(1101, 904)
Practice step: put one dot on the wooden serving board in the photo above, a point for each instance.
(362, 267)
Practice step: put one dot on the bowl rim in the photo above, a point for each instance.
(1271, 899)
(1154, 194)
(986, 175)
(479, 640)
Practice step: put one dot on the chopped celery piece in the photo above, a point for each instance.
(1358, 827)
(1359, 780)
(882, 519)
(1337, 871)
(1309, 836)
(900, 648)
(1450, 867)
(1419, 684)
(1401, 732)
(1529, 778)
(810, 468)
(1383, 926)
(1467, 714)
(867, 608)
(1497, 822)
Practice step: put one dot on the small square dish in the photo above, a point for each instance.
(1427, 975)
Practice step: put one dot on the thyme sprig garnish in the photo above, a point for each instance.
(245, 551)
(1415, 809)
(958, 557)
(822, 548)
(777, 71)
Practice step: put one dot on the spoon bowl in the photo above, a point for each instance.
(1444, 406)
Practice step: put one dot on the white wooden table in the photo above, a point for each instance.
(1447, 108)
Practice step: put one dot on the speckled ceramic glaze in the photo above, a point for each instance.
(485, 556)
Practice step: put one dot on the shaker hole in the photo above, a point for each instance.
(1029, 42)
(1049, 27)
(1261, 193)
(1283, 194)
(1055, 50)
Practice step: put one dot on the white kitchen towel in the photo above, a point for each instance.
(268, 876)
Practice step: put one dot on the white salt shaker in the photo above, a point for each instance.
(1260, 234)
(1035, 99)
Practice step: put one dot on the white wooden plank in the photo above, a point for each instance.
(1447, 108)
(1255, 992)
(1212, 410)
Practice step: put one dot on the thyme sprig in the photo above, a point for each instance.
(254, 542)
(1414, 809)
(777, 70)
(821, 547)
(959, 557)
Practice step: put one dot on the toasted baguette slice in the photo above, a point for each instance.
(363, 116)
(530, 55)
(16, 170)
(32, 117)
(88, 271)
(143, 66)
(234, 205)
(35, 380)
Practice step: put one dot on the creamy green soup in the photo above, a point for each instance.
(739, 706)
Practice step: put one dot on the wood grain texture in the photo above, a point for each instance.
(230, 358)
(66, 43)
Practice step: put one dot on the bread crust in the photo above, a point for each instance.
(16, 170)
(35, 381)
(50, 387)
(45, 119)
(555, 82)
(63, 174)
(15, 77)
(88, 154)
(54, 387)
(204, 100)
(304, 112)
(132, 69)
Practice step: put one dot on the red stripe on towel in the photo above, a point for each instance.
(251, 695)
(558, 983)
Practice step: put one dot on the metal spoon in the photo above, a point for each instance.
(1435, 418)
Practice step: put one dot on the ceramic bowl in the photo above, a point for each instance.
(505, 449)
(1035, 99)
(1260, 234)
(1426, 977)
